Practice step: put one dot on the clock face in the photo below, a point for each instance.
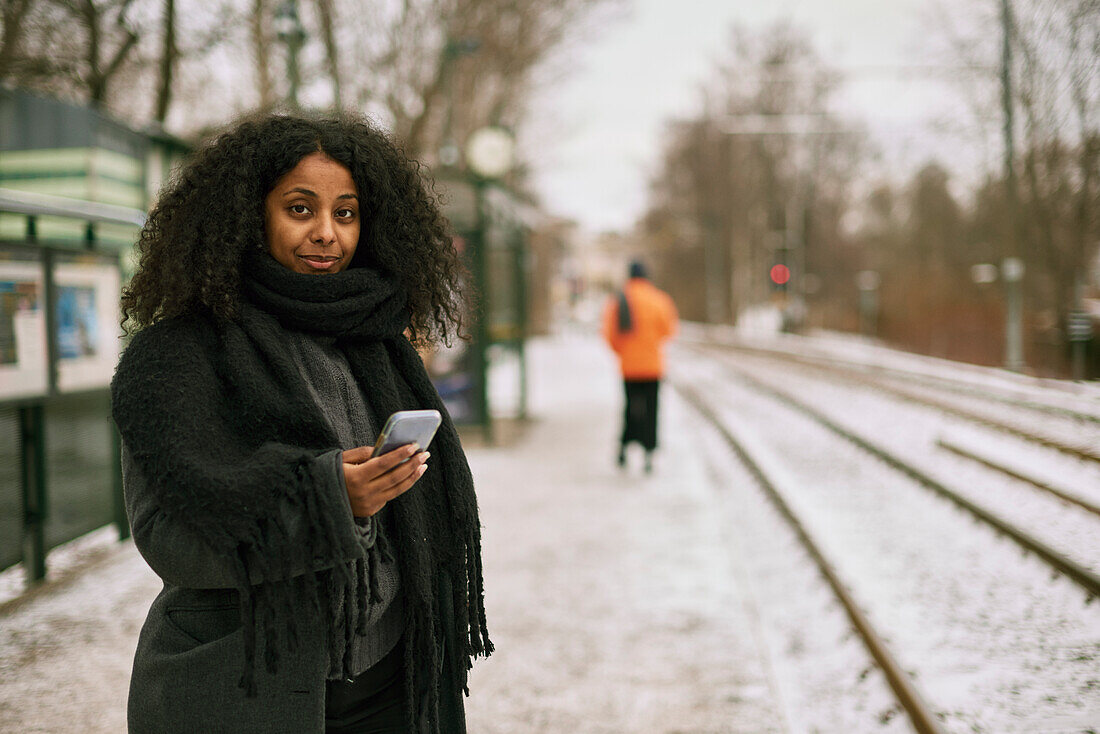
(489, 151)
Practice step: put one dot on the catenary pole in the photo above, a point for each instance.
(1012, 266)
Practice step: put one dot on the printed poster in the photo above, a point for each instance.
(87, 322)
(24, 369)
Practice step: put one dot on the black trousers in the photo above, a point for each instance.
(372, 703)
(640, 414)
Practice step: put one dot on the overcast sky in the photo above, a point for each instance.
(598, 133)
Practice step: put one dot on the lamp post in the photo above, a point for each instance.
(289, 29)
(1012, 268)
(490, 152)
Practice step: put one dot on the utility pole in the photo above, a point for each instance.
(1012, 268)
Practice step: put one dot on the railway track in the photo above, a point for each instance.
(829, 521)
(1039, 484)
(923, 719)
(918, 388)
(1082, 576)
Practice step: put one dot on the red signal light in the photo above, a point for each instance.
(780, 274)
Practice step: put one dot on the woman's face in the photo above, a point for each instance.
(311, 217)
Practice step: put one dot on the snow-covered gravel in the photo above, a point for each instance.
(827, 680)
(1076, 477)
(1063, 428)
(875, 358)
(995, 643)
(910, 431)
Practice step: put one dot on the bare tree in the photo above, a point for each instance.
(326, 13)
(110, 39)
(1050, 83)
(261, 37)
(756, 179)
(441, 68)
(168, 58)
(434, 69)
(209, 28)
(14, 15)
(1059, 93)
(1082, 36)
(73, 47)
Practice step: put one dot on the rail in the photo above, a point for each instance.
(921, 716)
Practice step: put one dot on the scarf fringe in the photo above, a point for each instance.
(271, 552)
(248, 627)
(365, 586)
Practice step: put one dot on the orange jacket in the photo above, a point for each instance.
(655, 319)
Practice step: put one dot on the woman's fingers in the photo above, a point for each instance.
(374, 495)
(357, 455)
(375, 482)
(402, 477)
(367, 470)
(384, 463)
(371, 471)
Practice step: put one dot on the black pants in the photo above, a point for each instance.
(640, 415)
(373, 703)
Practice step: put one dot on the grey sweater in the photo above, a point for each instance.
(334, 389)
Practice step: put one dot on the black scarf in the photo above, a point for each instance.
(220, 421)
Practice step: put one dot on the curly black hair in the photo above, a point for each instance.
(212, 212)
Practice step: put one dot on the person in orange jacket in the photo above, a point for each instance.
(636, 323)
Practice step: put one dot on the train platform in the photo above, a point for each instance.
(616, 599)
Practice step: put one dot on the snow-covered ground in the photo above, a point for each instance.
(678, 603)
(994, 642)
(66, 649)
(911, 431)
(613, 597)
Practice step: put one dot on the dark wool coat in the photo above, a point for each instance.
(190, 653)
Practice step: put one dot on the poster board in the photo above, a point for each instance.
(24, 360)
(86, 313)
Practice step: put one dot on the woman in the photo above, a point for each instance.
(285, 276)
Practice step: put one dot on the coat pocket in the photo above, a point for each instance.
(205, 624)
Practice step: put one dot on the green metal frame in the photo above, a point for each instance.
(32, 440)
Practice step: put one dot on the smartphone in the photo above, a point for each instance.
(405, 427)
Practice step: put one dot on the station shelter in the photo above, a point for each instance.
(74, 187)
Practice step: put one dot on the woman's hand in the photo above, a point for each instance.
(372, 483)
